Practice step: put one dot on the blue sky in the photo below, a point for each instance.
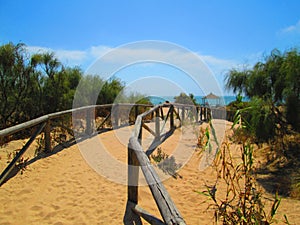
(225, 34)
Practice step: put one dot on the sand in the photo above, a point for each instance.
(64, 188)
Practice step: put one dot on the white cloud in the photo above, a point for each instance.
(179, 57)
(82, 57)
(73, 57)
(292, 28)
(98, 51)
(218, 65)
(66, 56)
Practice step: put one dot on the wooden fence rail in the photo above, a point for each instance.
(46, 124)
(137, 157)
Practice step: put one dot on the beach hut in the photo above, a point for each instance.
(211, 99)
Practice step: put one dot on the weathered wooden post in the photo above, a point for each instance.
(182, 113)
(140, 136)
(88, 128)
(157, 123)
(47, 131)
(136, 112)
(200, 113)
(130, 217)
(162, 113)
(116, 116)
(171, 117)
(197, 114)
(133, 175)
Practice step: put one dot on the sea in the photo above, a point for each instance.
(223, 101)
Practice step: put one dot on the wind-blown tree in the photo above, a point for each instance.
(58, 82)
(271, 85)
(16, 77)
(33, 86)
(291, 70)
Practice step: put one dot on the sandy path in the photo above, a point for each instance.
(64, 189)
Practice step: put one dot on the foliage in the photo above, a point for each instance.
(183, 98)
(31, 86)
(274, 89)
(242, 202)
(237, 104)
(133, 97)
(109, 91)
(15, 77)
(160, 155)
(167, 164)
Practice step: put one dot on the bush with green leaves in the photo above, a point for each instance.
(275, 82)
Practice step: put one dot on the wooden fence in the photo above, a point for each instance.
(137, 157)
(83, 118)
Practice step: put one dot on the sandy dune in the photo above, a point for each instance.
(64, 189)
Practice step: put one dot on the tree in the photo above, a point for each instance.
(110, 90)
(276, 83)
(16, 75)
(58, 83)
(33, 86)
(185, 99)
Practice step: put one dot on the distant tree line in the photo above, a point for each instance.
(32, 85)
(273, 86)
(183, 98)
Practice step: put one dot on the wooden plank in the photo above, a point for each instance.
(149, 129)
(22, 126)
(145, 215)
(171, 112)
(183, 113)
(136, 111)
(130, 217)
(167, 208)
(137, 127)
(133, 175)
(11, 165)
(157, 123)
(31, 123)
(165, 121)
(150, 111)
(103, 122)
(162, 113)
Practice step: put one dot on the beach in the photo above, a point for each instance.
(63, 188)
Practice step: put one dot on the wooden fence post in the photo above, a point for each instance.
(162, 113)
(116, 115)
(133, 175)
(130, 217)
(136, 112)
(197, 114)
(140, 137)
(201, 113)
(171, 117)
(47, 131)
(88, 129)
(182, 113)
(157, 123)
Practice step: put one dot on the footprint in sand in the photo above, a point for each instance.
(25, 191)
(36, 208)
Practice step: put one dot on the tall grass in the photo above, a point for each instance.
(242, 201)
